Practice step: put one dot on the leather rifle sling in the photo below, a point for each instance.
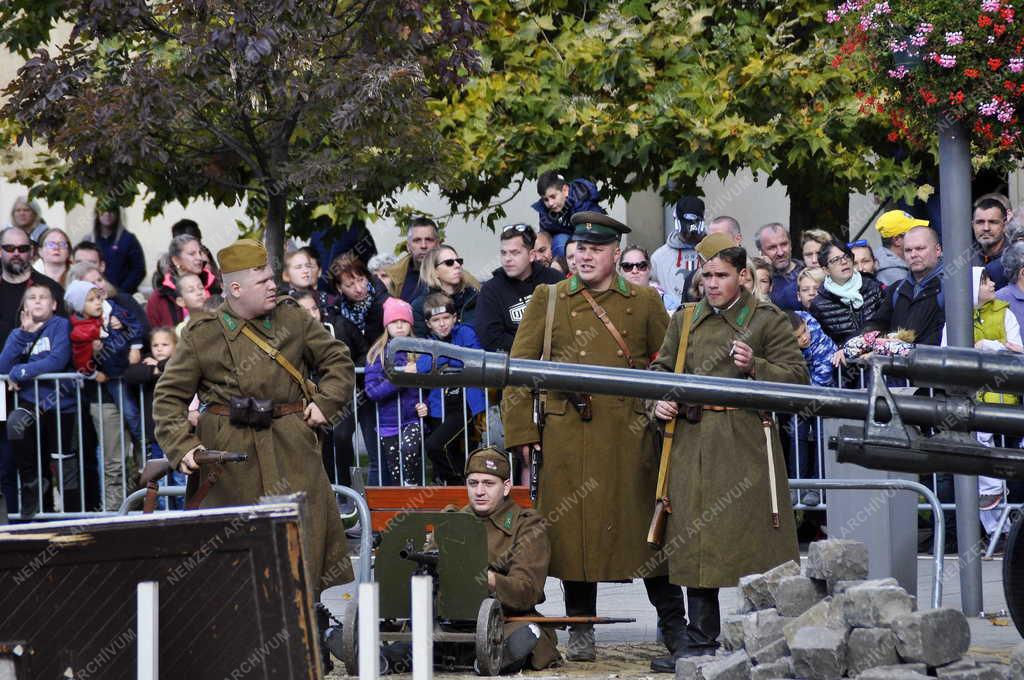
(149, 503)
(281, 360)
(612, 330)
(670, 426)
(549, 322)
(212, 475)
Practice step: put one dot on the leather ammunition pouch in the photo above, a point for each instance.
(251, 412)
(692, 412)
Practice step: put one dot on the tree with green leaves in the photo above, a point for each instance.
(640, 95)
(286, 104)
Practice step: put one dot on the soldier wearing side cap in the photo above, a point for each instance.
(246, 363)
(727, 488)
(518, 553)
(599, 460)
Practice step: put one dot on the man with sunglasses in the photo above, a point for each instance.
(503, 298)
(16, 274)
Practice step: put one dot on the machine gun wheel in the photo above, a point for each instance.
(490, 637)
(350, 637)
(1013, 574)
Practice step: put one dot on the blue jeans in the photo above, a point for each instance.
(558, 242)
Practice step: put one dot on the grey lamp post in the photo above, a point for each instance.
(955, 200)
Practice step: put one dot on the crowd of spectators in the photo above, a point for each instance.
(80, 308)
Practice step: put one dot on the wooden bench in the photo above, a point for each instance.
(387, 502)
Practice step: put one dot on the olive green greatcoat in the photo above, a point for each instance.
(720, 527)
(598, 480)
(519, 553)
(216, 361)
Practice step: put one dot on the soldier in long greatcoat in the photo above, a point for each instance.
(597, 482)
(727, 519)
(218, 361)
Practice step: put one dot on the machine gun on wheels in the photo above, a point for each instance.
(908, 433)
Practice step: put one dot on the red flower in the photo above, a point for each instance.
(972, 72)
(984, 21)
(1006, 13)
(994, 63)
(999, 29)
(837, 61)
(928, 97)
(956, 97)
(893, 136)
(1009, 85)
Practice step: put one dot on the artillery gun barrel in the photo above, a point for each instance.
(496, 370)
(962, 367)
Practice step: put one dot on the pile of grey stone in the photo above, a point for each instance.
(831, 622)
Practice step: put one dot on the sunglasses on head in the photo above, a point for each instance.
(450, 262)
(524, 230)
(630, 266)
(16, 249)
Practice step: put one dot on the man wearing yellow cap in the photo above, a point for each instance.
(727, 488)
(247, 362)
(891, 226)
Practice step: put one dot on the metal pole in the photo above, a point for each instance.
(148, 667)
(955, 194)
(369, 631)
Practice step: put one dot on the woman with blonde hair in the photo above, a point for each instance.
(442, 272)
(54, 255)
(26, 215)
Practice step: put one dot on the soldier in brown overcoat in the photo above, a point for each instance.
(599, 473)
(727, 518)
(218, 361)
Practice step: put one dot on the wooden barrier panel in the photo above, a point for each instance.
(388, 501)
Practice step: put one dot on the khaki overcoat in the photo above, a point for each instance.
(598, 479)
(720, 527)
(216, 361)
(519, 553)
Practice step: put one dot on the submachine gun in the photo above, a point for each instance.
(918, 432)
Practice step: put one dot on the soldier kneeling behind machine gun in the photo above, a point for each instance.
(510, 635)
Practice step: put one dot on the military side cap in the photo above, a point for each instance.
(490, 461)
(245, 253)
(713, 244)
(595, 227)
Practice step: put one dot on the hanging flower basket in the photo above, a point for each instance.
(939, 61)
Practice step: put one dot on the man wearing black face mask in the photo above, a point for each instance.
(672, 263)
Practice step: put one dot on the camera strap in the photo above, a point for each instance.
(281, 360)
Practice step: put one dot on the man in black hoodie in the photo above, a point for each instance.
(503, 299)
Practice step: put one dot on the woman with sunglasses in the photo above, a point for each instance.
(442, 272)
(635, 266)
(54, 255)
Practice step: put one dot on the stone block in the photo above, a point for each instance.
(782, 668)
(771, 652)
(837, 560)
(935, 637)
(686, 668)
(753, 593)
(870, 648)
(1017, 662)
(841, 587)
(775, 575)
(826, 614)
(796, 594)
(819, 653)
(983, 672)
(736, 666)
(732, 631)
(761, 629)
(905, 672)
(870, 606)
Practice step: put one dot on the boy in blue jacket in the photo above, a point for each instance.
(41, 345)
(451, 413)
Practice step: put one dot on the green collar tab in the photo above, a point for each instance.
(508, 520)
(619, 285)
(229, 321)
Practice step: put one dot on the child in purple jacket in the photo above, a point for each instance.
(399, 409)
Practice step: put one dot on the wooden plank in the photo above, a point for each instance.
(387, 502)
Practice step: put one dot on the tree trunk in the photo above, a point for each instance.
(817, 204)
(273, 234)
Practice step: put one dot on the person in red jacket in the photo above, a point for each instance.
(85, 302)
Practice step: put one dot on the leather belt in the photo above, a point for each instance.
(280, 410)
(720, 408)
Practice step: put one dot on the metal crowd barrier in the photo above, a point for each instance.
(363, 449)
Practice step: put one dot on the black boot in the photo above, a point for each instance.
(323, 624)
(670, 604)
(701, 632)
